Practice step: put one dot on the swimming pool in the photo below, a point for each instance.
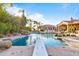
(31, 39)
(22, 41)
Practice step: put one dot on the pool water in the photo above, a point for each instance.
(31, 39)
(53, 42)
(49, 40)
(20, 41)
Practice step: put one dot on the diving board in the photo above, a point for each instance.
(40, 49)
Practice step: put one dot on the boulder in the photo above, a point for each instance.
(5, 44)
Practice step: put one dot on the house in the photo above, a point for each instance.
(47, 28)
(69, 26)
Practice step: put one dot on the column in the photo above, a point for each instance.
(67, 27)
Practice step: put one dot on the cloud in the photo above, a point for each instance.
(14, 11)
(38, 17)
(35, 17)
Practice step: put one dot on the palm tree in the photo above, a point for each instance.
(23, 18)
(37, 24)
(30, 24)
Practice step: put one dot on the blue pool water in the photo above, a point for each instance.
(31, 39)
(49, 40)
(20, 41)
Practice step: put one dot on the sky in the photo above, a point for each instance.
(48, 13)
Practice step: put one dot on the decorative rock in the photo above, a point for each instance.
(5, 43)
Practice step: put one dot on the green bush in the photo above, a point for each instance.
(8, 28)
(1, 35)
(10, 23)
(28, 28)
(60, 39)
(2, 27)
(56, 35)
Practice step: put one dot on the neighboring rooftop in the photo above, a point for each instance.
(69, 21)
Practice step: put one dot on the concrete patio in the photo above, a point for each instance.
(28, 51)
(18, 51)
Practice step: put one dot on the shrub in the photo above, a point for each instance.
(1, 35)
(28, 28)
(56, 34)
(68, 35)
(60, 39)
(3, 27)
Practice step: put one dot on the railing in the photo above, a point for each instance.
(40, 49)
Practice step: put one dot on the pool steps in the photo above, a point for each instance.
(40, 49)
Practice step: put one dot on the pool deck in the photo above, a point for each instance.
(28, 51)
(18, 51)
(62, 51)
(71, 41)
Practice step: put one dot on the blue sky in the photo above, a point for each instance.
(52, 13)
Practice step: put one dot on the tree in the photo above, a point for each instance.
(23, 19)
(8, 23)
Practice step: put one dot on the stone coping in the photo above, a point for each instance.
(74, 39)
(13, 37)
